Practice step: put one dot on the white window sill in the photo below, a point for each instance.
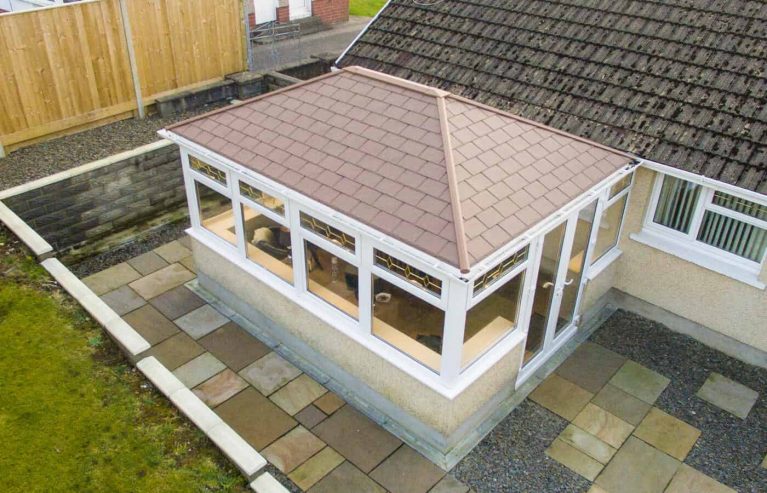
(604, 262)
(698, 256)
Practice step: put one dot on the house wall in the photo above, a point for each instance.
(331, 11)
(426, 419)
(717, 302)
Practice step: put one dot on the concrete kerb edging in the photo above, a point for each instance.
(266, 483)
(245, 457)
(130, 340)
(41, 248)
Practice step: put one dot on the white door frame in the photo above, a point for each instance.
(298, 9)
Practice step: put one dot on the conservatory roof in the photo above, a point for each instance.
(446, 175)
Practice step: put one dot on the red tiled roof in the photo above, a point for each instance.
(448, 176)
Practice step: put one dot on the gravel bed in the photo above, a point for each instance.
(512, 457)
(149, 241)
(47, 158)
(729, 449)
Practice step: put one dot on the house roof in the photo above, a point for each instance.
(446, 175)
(680, 82)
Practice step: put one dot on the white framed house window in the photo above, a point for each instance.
(709, 227)
(611, 220)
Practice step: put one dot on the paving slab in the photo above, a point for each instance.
(177, 302)
(310, 472)
(310, 416)
(595, 488)
(112, 278)
(151, 324)
(361, 441)
(123, 300)
(561, 396)
(258, 420)
(201, 322)
(640, 381)
(201, 368)
(449, 484)
(603, 425)
(161, 281)
(733, 397)
(220, 388)
(638, 468)
(329, 403)
(689, 480)
(269, 373)
(574, 459)
(186, 242)
(176, 350)
(234, 346)
(667, 433)
(293, 449)
(591, 366)
(587, 443)
(189, 263)
(407, 471)
(297, 394)
(148, 262)
(344, 478)
(621, 404)
(173, 251)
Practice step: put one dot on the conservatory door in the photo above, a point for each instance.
(558, 286)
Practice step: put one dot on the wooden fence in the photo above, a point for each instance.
(67, 67)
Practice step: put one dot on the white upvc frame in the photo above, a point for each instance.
(687, 246)
(614, 252)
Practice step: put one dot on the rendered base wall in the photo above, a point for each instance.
(442, 429)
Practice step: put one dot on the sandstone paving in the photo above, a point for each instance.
(112, 278)
(151, 324)
(269, 373)
(587, 443)
(690, 480)
(574, 459)
(123, 300)
(603, 425)
(147, 263)
(177, 302)
(221, 387)
(591, 366)
(449, 484)
(561, 396)
(407, 471)
(310, 416)
(173, 251)
(161, 281)
(638, 468)
(255, 418)
(201, 322)
(667, 433)
(293, 449)
(733, 397)
(621, 404)
(297, 394)
(201, 368)
(640, 381)
(234, 346)
(329, 403)
(176, 350)
(310, 472)
(346, 477)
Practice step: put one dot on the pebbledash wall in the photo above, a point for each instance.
(718, 310)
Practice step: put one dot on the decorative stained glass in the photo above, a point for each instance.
(408, 272)
(489, 277)
(260, 197)
(327, 231)
(206, 169)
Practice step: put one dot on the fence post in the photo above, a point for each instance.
(132, 58)
(249, 63)
(2, 151)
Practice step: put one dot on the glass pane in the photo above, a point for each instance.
(332, 279)
(609, 227)
(216, 213)
(676, 204)
(620, 185)
(572, 281)
(267, 243)
(740, 205)
(489, 277)
(731, 235)
(544, 290)
(409, 273)
(262, 198)
(327, 231)
(208, 170)
(491, 319)
(408, 323)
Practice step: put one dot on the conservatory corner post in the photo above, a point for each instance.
(455, 322)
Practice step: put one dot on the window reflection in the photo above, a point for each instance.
(267, 243)
(332, 279)
(216, 213)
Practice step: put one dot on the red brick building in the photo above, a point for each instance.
(328, 11)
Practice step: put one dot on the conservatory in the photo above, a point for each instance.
(423, 252)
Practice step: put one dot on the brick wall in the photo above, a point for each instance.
(94, 204)
(283, 15)
(331, 11)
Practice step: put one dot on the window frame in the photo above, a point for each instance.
(688, 247)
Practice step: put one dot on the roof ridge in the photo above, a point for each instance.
(397, 81)
(452, 185)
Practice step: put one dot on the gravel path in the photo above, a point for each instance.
(47, 158)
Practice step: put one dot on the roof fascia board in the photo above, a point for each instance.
(452, 181)
(436, 264)
(360, 34)
(705, 181)
(396, 81)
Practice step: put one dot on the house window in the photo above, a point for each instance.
(215, 212)
(332, 279)
(262, 198)
(713, 218)
(611, 219)
(409, 273)
(407, 322)
(267, 243)
(208, 170)
(328, 232)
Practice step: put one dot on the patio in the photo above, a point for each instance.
(613, 411)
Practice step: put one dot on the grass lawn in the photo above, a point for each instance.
(74, 415)
(365, 8)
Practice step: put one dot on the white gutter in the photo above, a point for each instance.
(359, 35)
